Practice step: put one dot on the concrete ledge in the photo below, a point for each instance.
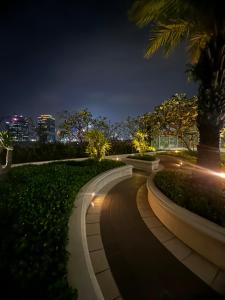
(80, 270)
(203, 236)
(144, 165)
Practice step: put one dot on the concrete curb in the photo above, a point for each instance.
(80, 270)
(208, 272)
(144, 165)
(203, 236)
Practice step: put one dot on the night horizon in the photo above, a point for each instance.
(63, 56)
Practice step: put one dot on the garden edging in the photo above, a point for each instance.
(80, 271)
(142, 164)
(203, 236)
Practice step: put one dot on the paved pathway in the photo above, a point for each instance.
(142, 267)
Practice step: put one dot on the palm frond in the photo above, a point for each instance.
(144, 12)
(197, 42)
(167, 36)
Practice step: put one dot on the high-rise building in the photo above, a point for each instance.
(18, 127)
(46, 129)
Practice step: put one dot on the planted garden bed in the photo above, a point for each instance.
(35, 206)
(143, 162)
(184, 190)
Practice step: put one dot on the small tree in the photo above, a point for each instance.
(98, 144)
(6, 143)
(76, 124)
(140, 142)
(177, 117)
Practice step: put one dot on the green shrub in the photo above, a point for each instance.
(140, 142)
(98, 145)
(143, 157)
(33, 152)
(121, 147)
(35, 206)
(190, 156)
(204, 200)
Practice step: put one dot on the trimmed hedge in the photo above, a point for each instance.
(190, 156)
(35, 206)
(143, 157)
(203, 199)
(32, 152)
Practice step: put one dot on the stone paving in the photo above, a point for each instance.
(115, 278)
(204, 269)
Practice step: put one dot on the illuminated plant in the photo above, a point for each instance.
(6, 143)
(140, 142)
(98, 144)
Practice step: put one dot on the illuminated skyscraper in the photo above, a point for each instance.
(46, 129)
(18, 126)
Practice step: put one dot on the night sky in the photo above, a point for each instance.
(67, 55)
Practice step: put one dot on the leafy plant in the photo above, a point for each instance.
(35, 205)
(98, 144)
(5, 140)
(140, 142)
(204, 200)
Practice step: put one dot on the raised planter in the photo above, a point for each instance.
(80, 271)
(144, 165)
(203, 236)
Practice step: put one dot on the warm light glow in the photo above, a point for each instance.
(180, 163)
(219, 174)
(92, 204)
(177, 151)
(93, 194)
(117, 158)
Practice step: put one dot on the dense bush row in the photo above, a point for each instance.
(42, 152)
(205, 200)
(35, 206)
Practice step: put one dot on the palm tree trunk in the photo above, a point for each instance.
(208, 148)
(210, 70)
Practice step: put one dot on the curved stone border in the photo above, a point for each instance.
(80, 270)
(144, 165)
(201, 267)
(203, 236)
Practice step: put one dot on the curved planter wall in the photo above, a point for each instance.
(80, 271)
(142, 164)
(205, 237)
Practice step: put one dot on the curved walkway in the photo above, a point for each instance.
(142, 267)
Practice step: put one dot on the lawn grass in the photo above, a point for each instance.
(35, 205)
(203, 199)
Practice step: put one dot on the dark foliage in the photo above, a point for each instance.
(35, 206)
(203, 199)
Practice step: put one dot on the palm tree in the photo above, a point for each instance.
(201, 25)
(6, 143)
